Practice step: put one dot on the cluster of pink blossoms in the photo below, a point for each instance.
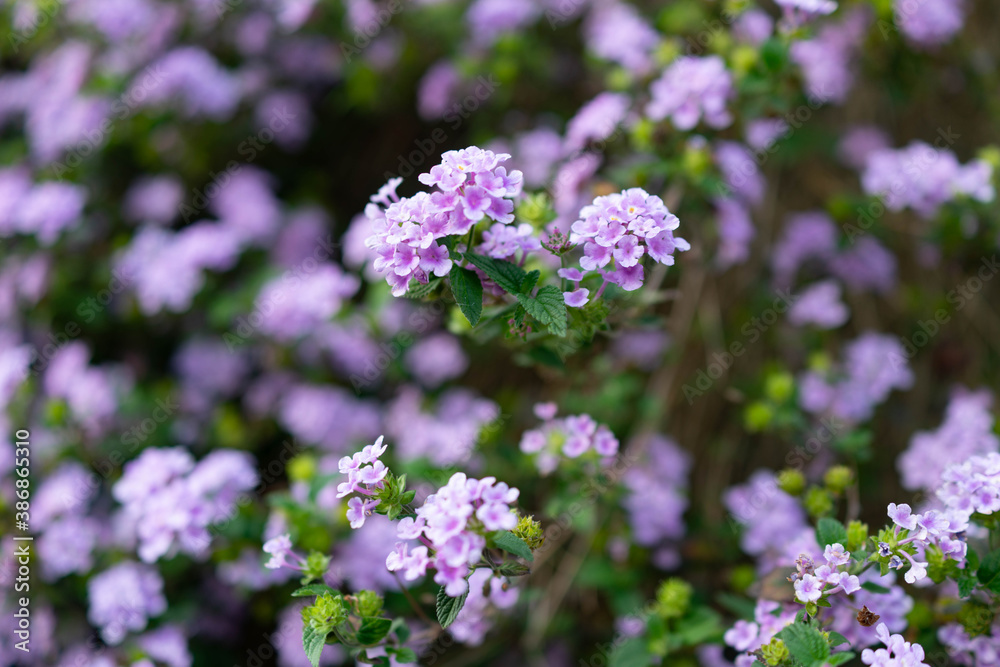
(451, 524)
(897, 653)
(770, 618)
(618, 229)
(811, 583)
(470, 185)
(973, 486)
(574, 436)
(364, 476)
(941, 529)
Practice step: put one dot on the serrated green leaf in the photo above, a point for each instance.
(314, 589)
(966, 584)
(418, 290)
(313, 643)
(519, 314)
(806, 644)
(836, 639)
(548, 306)
(830, 531)
(507, 276)
(512, 544)
(512, 569)
(840, 658)
(529, 282)
(989, 572)
(468, 291)
(373, 630)
(448, 607)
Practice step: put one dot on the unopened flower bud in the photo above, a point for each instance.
(775, 653)
(838, 478)
(673, 598)
(857, 534)
(791, 482)
(530, 531)
(818, 502)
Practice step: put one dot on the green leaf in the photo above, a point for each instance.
(806, 644)
(874, 588)
(468, 291)
(448, 607)
(373, 630)
(836, 639)
(407, 497)
(529, 282)
(548, 307)
(631, 653)
(830, 531)
(418, 290)
(400, 629)
(989, 572)
(840, 658)
(507, 276)
(313, 589)
(313, 643)
(402, 654)
(512, 544)
(966, 584)
(512, 569)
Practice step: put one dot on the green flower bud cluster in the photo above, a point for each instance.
(530, 532)
(673, 598)
(326, 613)
(775, 653)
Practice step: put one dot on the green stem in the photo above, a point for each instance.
(468, 242)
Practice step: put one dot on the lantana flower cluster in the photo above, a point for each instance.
(572, 436)
(897, 652)
(972, 487)
(619, 229)
(365, 475)
(924, 178)
(814, 583)
(769, 618)
(913, 534)
(171, 501)
(471, 186)
(452, 525)
(690, 89)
